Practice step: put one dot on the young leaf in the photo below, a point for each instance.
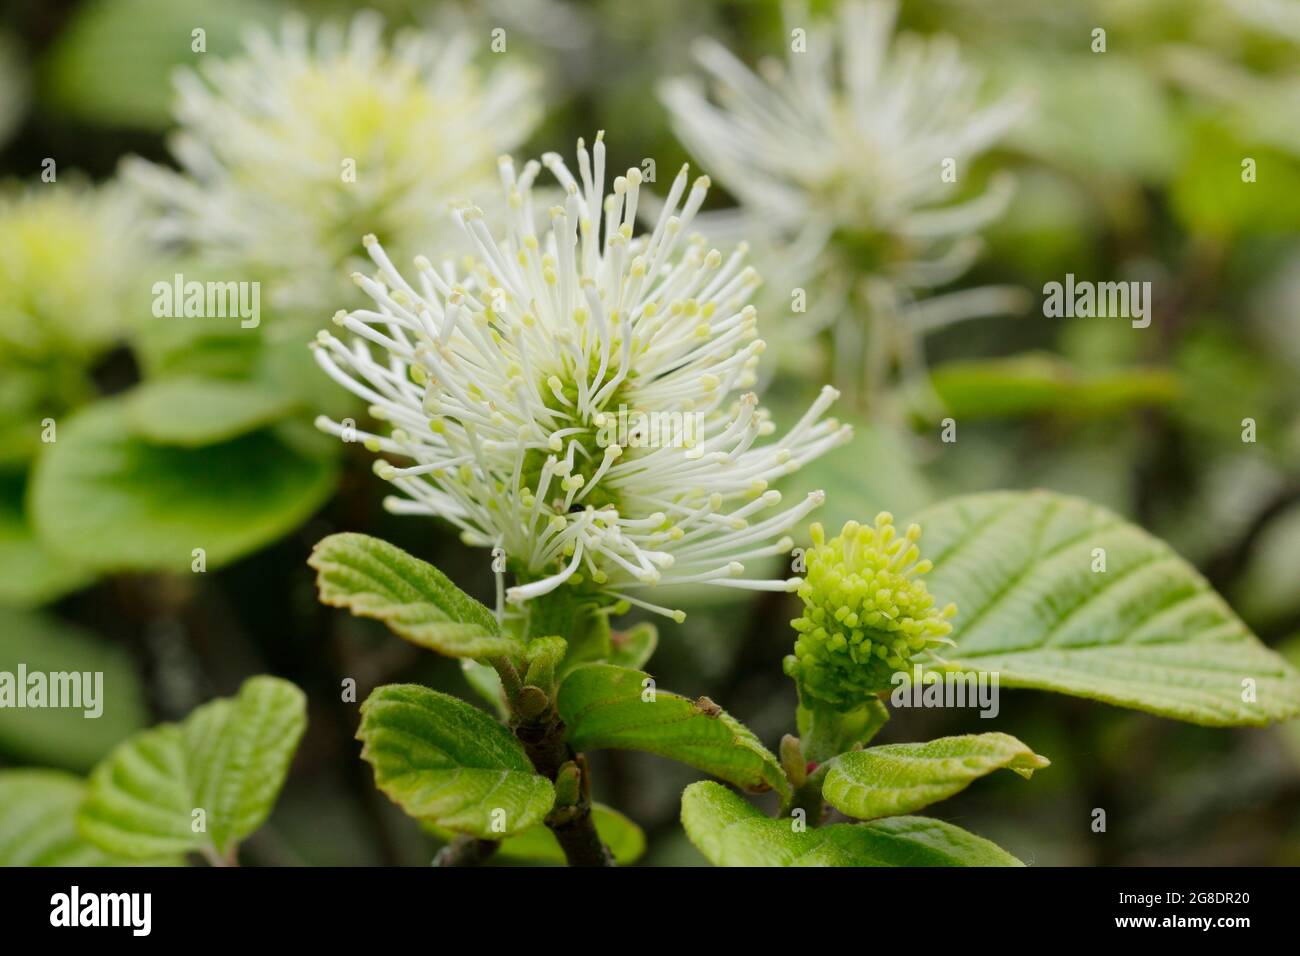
(731, 832)
(903, 778)
(633, 647)
(109, 500)
(604, 705)
(1057, 593)
(373, 578)
(228, 760)
(537, 844)
(442, 760)
(38, 823)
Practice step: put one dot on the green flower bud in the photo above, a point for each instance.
(866, 613)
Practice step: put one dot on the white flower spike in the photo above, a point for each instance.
(844, 162)
(508, 382)
(294, 148)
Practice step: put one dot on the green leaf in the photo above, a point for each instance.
(729, 831)
(29, 573)
(372, 578)
(902, 778)
(112, 501)
(635, 646)
(1147, 633)
(537, 844)
(442, 760)
(1035, 383)
(38, 823)
(193, 412)
(604, 705)
(485, 682)
(112, 63)
(66, 736)
(229, 759)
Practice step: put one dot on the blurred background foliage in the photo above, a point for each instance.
(172, 435)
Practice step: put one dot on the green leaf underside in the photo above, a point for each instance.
(38, 814)
(442, 760)
(229, 758)
(1147, 633)
(110, 500)
(902, 778)
(731, 832)
(537, 844)
(602, 706)
(194, 412)
(375, 579)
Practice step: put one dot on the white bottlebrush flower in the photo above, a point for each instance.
(292, 150)
(503, 382)
(838, 158)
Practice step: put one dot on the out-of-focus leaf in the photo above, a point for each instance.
(604, 705)
(1095, 115)
(874, 471)
(1210, 195)
(902, 778)
(444, 761)
(1036, 383)
(375, 579)
(105, 498)
(29, 573)
(538, 845)
(65, 736)
(1148, 632)
(228, 759)
(113, 62)
(731, 832)
(38, 823)
(193, 412)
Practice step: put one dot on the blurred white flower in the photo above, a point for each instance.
(838, 160)
(516, 384)
(73, 277)
(291, 151)
(71, 270)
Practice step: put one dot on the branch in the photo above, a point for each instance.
(570, 820)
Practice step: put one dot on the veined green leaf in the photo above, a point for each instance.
(107, 499)
(375, 579)
(538, 845)
(731, 832)
(604, 705)
(228, 759)
(902, 778)
(443, 760)
(38, 823)
(193, 412)
(1147, 632)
